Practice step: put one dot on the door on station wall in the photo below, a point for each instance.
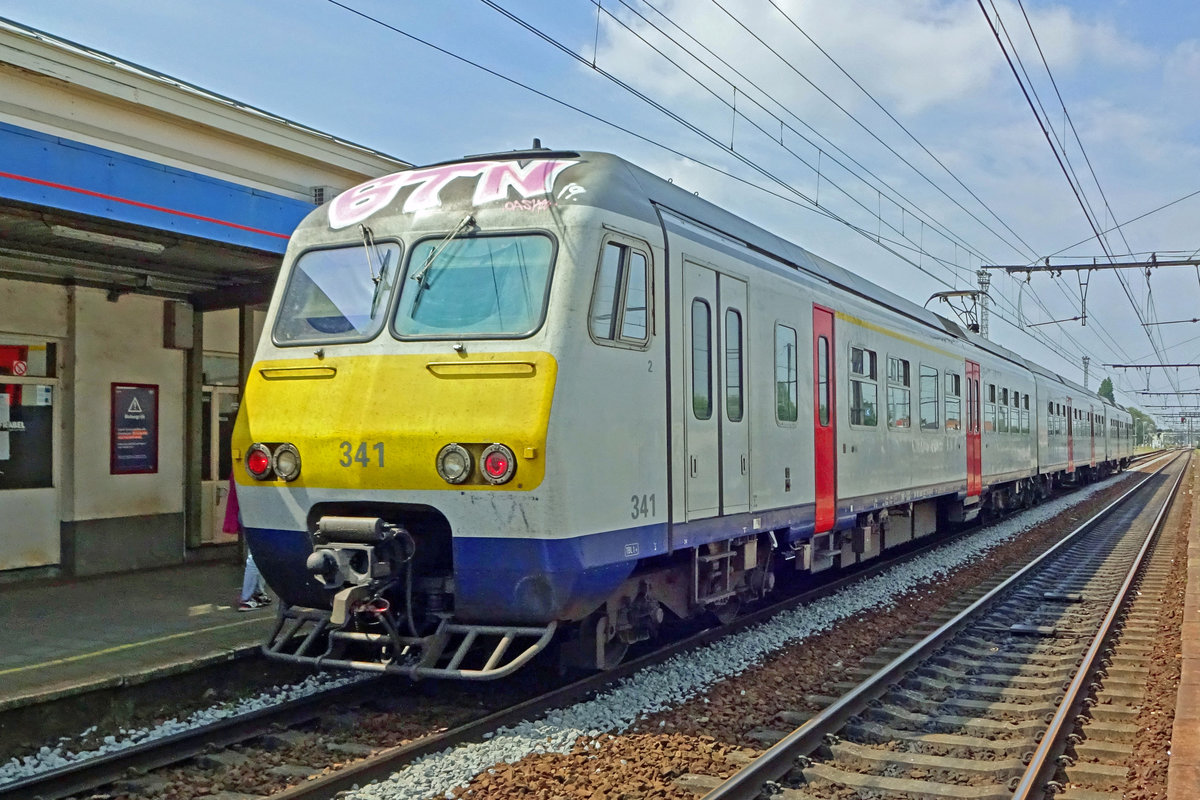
(218, 412)
(29, 513)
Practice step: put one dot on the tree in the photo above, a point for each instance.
(1143, 425)
(1106, 390)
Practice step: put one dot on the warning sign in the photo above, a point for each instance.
(20, 367)
(134, 437)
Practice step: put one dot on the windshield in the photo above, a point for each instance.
(337, 294)
(483, 286)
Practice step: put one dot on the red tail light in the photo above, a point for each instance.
(258, 461)
(498, 464)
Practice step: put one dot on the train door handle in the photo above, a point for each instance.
(743, 463)
(695, 466)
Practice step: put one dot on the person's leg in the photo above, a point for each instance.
(250, 579)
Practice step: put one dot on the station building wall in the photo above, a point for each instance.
(100, 521)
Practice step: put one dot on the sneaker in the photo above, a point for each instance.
(251, 604)
(263, 598)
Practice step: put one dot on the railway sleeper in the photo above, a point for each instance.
(825, 775)
(940, 744)
(947, 768)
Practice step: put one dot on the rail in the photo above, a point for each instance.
(777, 761)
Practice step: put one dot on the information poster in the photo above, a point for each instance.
(134, 442)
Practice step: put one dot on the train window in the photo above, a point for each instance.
(483, 286)
(823, 381)
(989, 409)
(864, 403)
(620, 300)
(898, 394)
(864, 394)
(733, 365)
(331, 296)
(786, 388)
(1004, 396)
(633, 315)
(701, 359)
(862, 362)
(929, 398)
(953, 401)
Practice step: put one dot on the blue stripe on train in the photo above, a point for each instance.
(496, 580)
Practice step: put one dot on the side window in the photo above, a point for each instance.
(899, 395)
(1002, 412)
(786, 408)
(823, 381)
(701, 360)
(929, 398)
(633, 317)
(620, 301)
(733, 365)
(864, 392)
(989, 409)
(953, 401)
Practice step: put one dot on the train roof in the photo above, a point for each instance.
(619, 185)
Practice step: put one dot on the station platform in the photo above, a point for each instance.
(65, 637)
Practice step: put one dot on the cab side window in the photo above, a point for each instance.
(620, 311)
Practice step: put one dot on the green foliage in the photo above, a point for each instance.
(1106, 390)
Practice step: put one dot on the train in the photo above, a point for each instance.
(546, 398)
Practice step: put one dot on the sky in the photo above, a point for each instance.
(889, 137)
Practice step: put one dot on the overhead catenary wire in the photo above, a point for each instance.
(777, 187)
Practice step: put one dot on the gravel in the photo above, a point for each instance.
(596, 722)
(90, 744)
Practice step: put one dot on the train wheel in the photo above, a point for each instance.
(728, 611)
(610, 650)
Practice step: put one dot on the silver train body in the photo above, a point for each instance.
(548, 394)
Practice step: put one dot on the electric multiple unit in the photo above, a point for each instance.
(547, 395)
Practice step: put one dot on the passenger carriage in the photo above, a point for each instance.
(547, 393)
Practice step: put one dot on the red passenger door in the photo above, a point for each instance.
(974, 442)
(824, 429)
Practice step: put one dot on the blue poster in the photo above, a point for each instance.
(134, 443)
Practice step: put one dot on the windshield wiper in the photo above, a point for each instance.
(383, 258)
(419, 275)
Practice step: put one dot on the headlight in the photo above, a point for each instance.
(258, 461)
(497, 464)
(286, 461)
(454, 463)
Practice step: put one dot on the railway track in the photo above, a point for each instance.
(262, 730)
(985, 705)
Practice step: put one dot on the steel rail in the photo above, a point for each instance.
(1041, 768)
(87, 774)
(91, 773)
(778, 760)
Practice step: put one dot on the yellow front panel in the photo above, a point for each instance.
(343, 413)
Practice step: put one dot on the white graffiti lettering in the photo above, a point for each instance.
(495, 180)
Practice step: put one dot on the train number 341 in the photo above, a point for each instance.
(359, 453)
(643, 506)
